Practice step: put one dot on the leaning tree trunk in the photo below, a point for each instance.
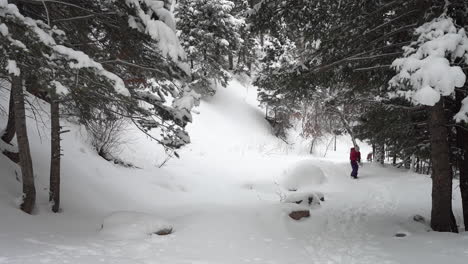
(29, 190)
(347, 127)
(442, 219)
(10, 129)
(54, 189)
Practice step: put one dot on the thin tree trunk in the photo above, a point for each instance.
(29, 190)
(442, 219)
(418, 165)
(462, 142)
(231, 62)
(54, 189)
(10, 129)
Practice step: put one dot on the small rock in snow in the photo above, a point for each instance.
(419, 218)
(164, 232)
(400, 235)
(134, 225)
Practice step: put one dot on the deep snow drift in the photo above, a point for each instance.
(223, 199)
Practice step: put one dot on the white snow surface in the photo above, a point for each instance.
(302, 175)
(132, 225)
(222, 198)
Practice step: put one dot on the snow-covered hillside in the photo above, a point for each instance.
(223, 199)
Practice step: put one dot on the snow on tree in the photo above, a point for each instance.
(428, 69)
(36, 50)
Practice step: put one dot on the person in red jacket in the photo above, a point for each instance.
(355, 157)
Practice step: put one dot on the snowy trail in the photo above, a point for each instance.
(223, 199)
(255, 229)
(242, 221)
(345, 236)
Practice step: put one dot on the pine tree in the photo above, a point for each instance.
(210, 35)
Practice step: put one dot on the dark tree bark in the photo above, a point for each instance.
(10, 129)
(457, 9)
(462, 144)
(54, 189)
(379, 152)
(29, 190)
(231, 62)
(442, 219)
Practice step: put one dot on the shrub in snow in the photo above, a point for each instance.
(134, 225)
(106, 135)
(302, 175)
(428, 71)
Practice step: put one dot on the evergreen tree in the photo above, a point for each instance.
(210, 33)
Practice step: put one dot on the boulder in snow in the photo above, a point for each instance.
(134, 225)
(298, 215)
(302, 175)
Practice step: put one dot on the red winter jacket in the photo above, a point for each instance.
(355, 155)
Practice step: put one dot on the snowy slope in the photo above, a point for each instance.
(223, 200)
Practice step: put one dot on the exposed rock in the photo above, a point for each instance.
(400, 235)
(419, 218)
(298, 215)
(164, 232)
(305, 198)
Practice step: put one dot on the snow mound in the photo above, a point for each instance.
(305, 198)
(302, 175)
(133, 225)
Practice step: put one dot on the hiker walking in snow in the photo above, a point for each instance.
(355, 157)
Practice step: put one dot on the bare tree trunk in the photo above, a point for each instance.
(54, 189)
(380, 153)
(29, 190)
(231, 62)
(442, 219)
(312, 144)
(10, 129)
(462, 136)
(462, 142)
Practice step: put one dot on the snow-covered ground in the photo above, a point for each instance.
(223, 199)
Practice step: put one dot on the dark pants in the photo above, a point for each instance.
(355, 167)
